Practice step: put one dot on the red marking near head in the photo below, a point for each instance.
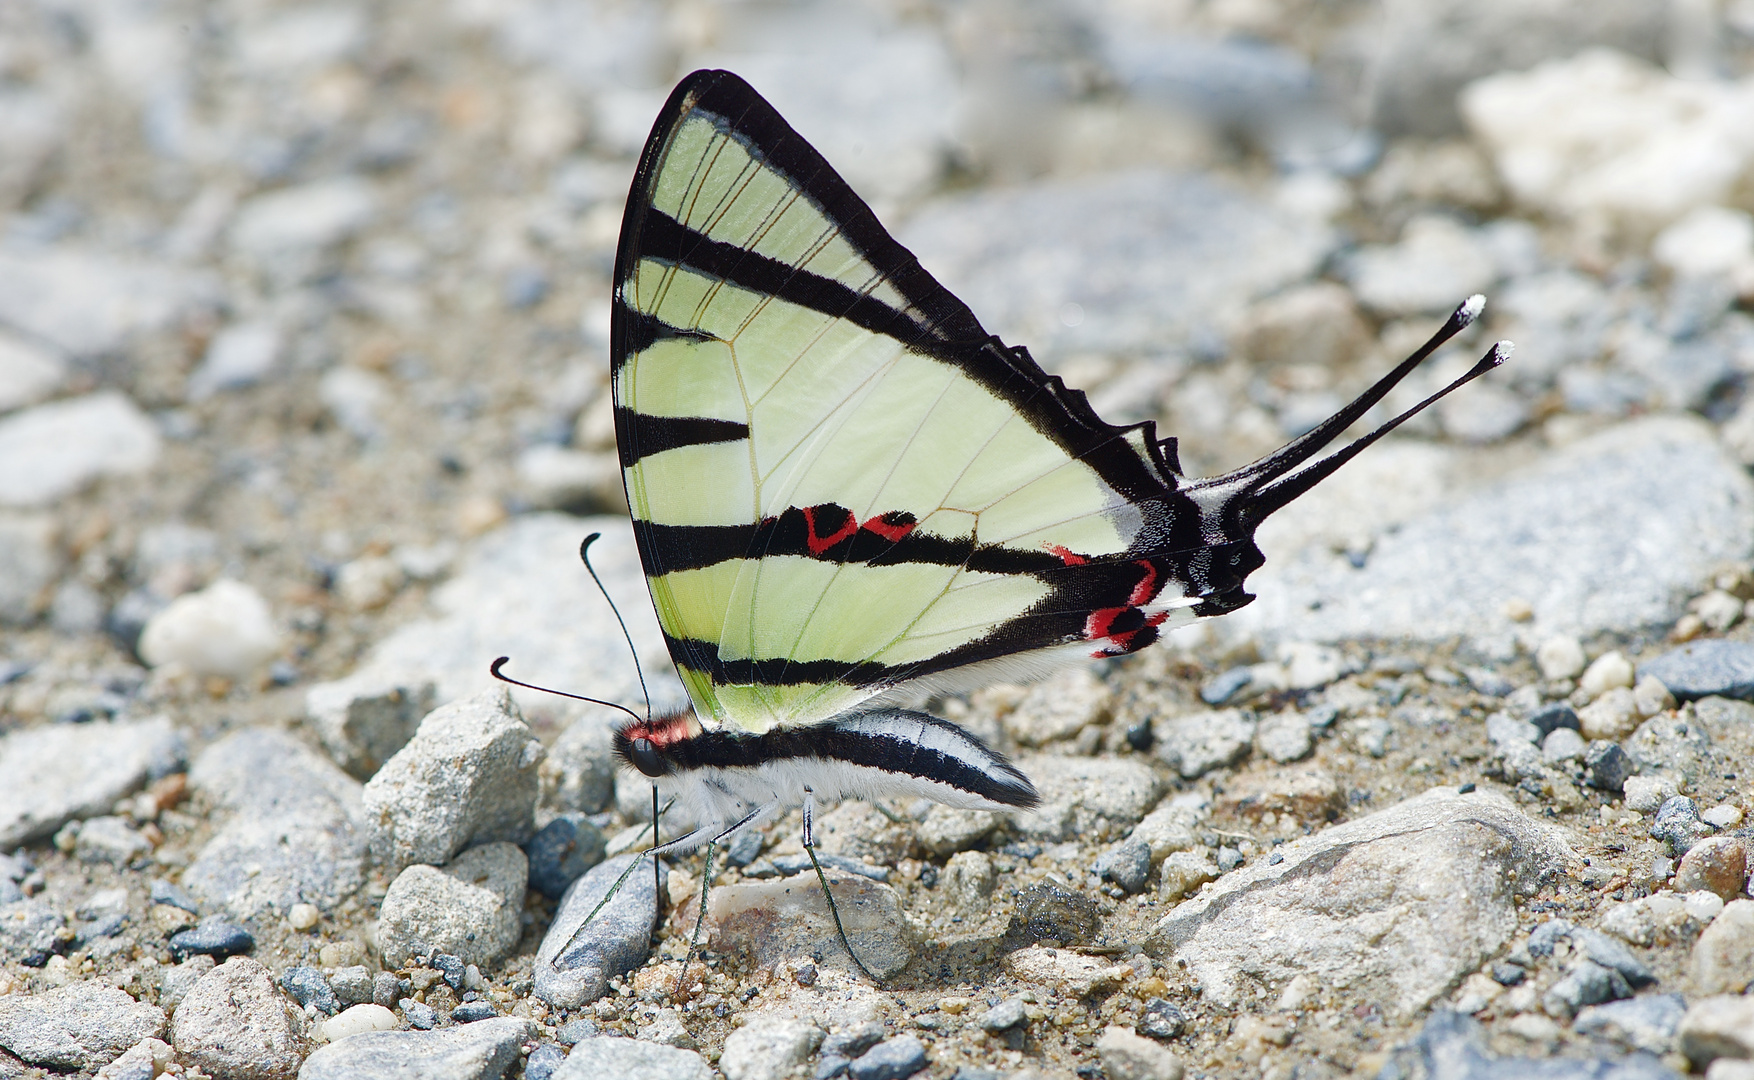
(1146, 590)
(1067, 555)
(819, 544)
(664, 730)
(891, 526)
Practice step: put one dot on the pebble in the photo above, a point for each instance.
(307, 986)
(75, 1027)
(1127, 864)
(1675, 745)
(967, 881)
(575, 1031)
(1651, 697)
(1503, 728)
(365, 718)
(60, 772)
(570, 972)
(560, 478)
(1717, 864)
(292, 221)
(142, 1061)
(106, 839)
(1646, 794)
(52, 451)
(30, 931)
(487, 1050)
(543, 1062)
(386, 989)
(1058, 709)
(357, 1020)
(892, 1059)
(787, 919)
(176, 982)
(240, 355)
(1169, 827)
(628, 1059)
(1161, 1020)
(419, 1014)
(1128, 1056)
(578, 775)
(302, 917)
(1004, 1016)
(471, 1012)
(768, 1048)
(28, 372)
(1436, 264)
(1047, 912)
(468, 776)
(233, 1024)
(30, 564)
(1606, 766)
(1433, 844)
(1677, 824)
(1563, 745)
(352, 984)
(1609, 671)
(1723, 957)
(294, 834)
(1285, 737)
(471, 908)
(1452, 1044)
(1560, 657)
(1182, 872)
(1717, 1027)
(1722, 816)
(214, 936)
(225, 629)
(1645, 1023)
(1703, 668)
(561, 851)
(1086, 797)
(946, 830)
(1195, 744)
(1614, 715)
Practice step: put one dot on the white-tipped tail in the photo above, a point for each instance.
(1471, 308)
(1501, 350)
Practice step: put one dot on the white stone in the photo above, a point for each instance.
(28, 374)
(1647, 793)
(53, 450)
(1437, 264)
(1309, 666)
(1560, 657)
(314, 215)
(368, 583)
(30, 561)
(555, 477)
(1602, 134)
(1650, 697)
(89, 303)
(299, 40)
(239, 355)
(1614, 715)
(303, 916)
(1709, 240)
(355, 1021)
(1127, 1056)
(1717, 609)
(225, 629)
(1608, 671)
(1722, 816)
(768, 1047)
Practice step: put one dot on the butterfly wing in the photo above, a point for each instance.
(840, 482)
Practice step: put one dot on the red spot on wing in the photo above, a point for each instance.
(813, 537)
(1067, 555)
(1146, 590)
(891, 526)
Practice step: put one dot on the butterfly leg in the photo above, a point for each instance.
(706, 880)
(683, 843)
(809, 810)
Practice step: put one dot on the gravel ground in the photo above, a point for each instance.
(303, 331)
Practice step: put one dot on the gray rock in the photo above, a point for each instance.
(1550, 718)
(467, 777)
(1058, 708)
(108, 839)
(1723, 957)
(1196, 743)
(472, 907)
(768, 1048)
(30, 562)
(365, 718)
(1563, 745)
(1555, 530)
(1284, 737)
(1047, 912)
(1718, 1027)
(1127, 864)
(1587, 983)
(87, 303)
(1677, 824)
(1129, 1056)
(352, 985)
(788, 919)
(1458, 860)
(28, 372)
(946, 830)
(577, 959)
(485, 1050)
(293, 224)
(1676, 745)
(1086, 797)
(239, 355)
(628, 1059)
(419, 1014)
(579, 773)
(1705, 668)
(1606, 766)
(473, 1012)
(140, 1062)
(295, 834)
(1139, 261)
(60, 772)
(967, 881)
(1452, 1046)
(1645, 1023)
(54, 450)
(1004, 1016)
(176, 982)
(307, 986)
(562, 851)
(214, 936)
(519, 592)
(1436, 264)
(30, 931)
(75, 1027)
(1502, 728)
(234, 1024)
(800, 862)
(892, 1059)
(386, 989)
(1161, 1020)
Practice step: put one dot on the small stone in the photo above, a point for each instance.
(967, 880)
(213, 936)
(1722, 816)
(1562, 745)
(352, 984)
(468, 776)
(1587, 983)
(1645, 1023)
(947, 829)
(54, 450)
(746, 846)
(173, 895)
(1047, 912)
(627, 1059)
(1723, 957)
(357, 1020)
(1673, 744)
(1651, 697)
(1004, 1016)
(1609, 671)
(369, 582)
(1717, 864)
(481, 1051)
(365, 718)
(1126, 1056)
(1063, 972)
(1677, 824)
(109, 840)
(1718, 610)
(1127, 864)
(1058, 709)
(470, 1012)
(786, 919)
(343, 953)
(1083, 796)
(419, 1014)
(1703, 668)
(576, 1031)
(573, 966)
(1716, 1028)
(892, 1059)
(768, 1048)
(562, 851)
(143, 1061)
(30, 564)
(308, 987)
(1551, 717)
(233, 1024)
(303, 917)
(1183, 872)
(1197, 743)
(225, 629)
(386, 989)
(1560, 657)
(471, 908)
(30, 931)
(1646, 794)
(28, 373)
(176, 982)
(1169, 828)
(1613, 715)
(1507, 974)
(1221, 689)
(1502, 728)
(1436, 260)
(1161, 1020)
(75, 1027)
(579, 772)
(543, 1062)
(1284, 737)
(1606, 766)
(61, 772)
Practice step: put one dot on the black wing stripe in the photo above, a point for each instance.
(640, 434)
(671, 548)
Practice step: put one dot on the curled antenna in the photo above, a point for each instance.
(494, 670)
(585, 557)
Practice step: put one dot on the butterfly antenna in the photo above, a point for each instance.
(494, 669)
(585, 557)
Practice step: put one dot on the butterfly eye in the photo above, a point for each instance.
(646, 759)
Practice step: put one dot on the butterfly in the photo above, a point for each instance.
(847, 494)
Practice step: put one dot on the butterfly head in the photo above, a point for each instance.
(641, 743)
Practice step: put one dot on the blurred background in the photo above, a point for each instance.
(309, 296)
